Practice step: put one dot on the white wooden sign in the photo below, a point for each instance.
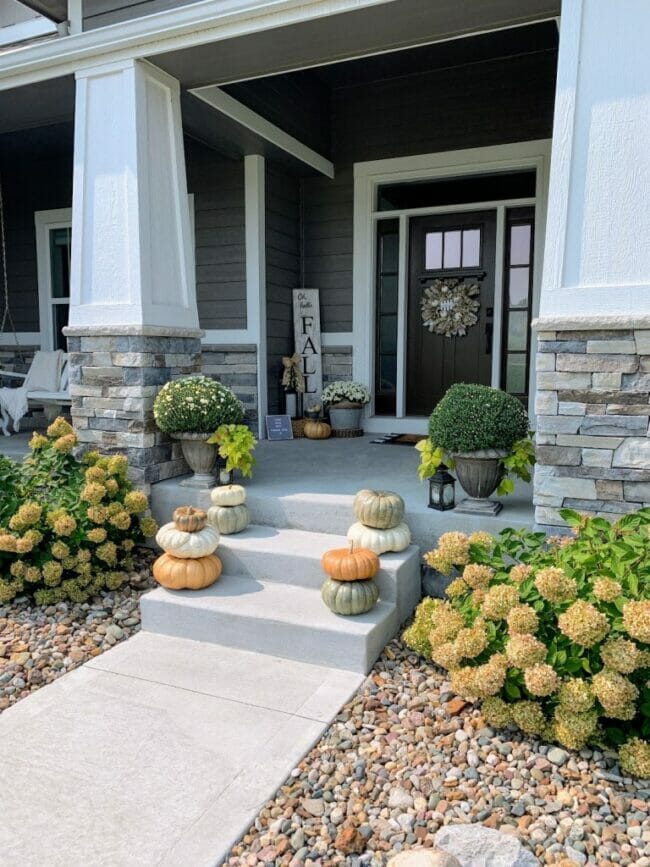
(306, 327)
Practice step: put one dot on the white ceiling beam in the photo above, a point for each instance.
(222, 102)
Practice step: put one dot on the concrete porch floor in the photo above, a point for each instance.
(310, 485)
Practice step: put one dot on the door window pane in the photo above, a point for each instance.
(389, 252)
(388, 293)
(59, 321)
(471, 248)
(518, 291)
(60, 262)
(451, 256)
(517, 329)
(433, 251)
(516, 373)
(520, 245)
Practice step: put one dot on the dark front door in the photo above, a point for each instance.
(444, 249)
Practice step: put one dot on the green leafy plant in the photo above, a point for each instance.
(471, 418)
(67, 526)
(196, 404)
(552, 633)
(236, 444)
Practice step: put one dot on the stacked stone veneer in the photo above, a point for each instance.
(337, 363)
(236, 367)
(114, 379)
(593, 411)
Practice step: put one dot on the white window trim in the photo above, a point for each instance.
(45, 221)
(368, 176)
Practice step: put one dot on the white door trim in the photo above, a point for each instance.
(368, 176)
(44, 222)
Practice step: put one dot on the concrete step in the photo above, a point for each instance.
(293, 557)
(284, 620)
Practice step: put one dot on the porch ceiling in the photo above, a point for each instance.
(386, 27)
(56, 10)
(37, 105)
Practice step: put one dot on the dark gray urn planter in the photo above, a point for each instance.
(200, 456)
(479, 474)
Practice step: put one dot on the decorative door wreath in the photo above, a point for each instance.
(449, 307)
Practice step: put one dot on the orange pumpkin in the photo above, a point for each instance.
(317, 430)
(175, 573)
(189, 519)
(350, 564)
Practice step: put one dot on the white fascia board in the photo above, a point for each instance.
(191, 24)
(24, 30)
(222, 102)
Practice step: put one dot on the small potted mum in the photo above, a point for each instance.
(190, 409)
(345, 401)
(483, 434)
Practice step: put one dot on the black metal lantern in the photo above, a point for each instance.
(442, 490)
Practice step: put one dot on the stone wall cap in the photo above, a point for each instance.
(591, 323)
(136, 330)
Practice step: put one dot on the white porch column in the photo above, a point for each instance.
(133, 315)
(593, 368)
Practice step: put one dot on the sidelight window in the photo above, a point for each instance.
(386, 306)
(517, 301)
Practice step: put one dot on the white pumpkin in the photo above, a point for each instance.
(187, 546)
(228, 495)
(229, 519)
(380, 541)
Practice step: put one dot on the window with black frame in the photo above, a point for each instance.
(517, 299)
(386, 318)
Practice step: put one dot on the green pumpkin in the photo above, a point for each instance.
(229, 519)
(379, 509)
(349, 597)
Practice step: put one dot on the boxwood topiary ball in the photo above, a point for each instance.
(473, 417)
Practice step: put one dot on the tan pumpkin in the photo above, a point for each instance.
(189, 519)
(379, 509)
(350, 564)
(229, 519)
(317, 430)
(183, 574)
(228, 495)
(187, 545)
(380, 541)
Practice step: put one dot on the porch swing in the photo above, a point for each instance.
(46, 382)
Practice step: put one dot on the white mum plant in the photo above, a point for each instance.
(355, 392)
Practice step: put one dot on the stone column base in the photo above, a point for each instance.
(115, 374)
(593, 412)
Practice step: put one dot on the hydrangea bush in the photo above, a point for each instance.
(553, 634)
(196, 404)
(340, 390)
(68, 527)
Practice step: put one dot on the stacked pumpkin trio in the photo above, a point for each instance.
(190, 540)
(380, 528)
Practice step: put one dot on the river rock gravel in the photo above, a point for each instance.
(40, 643)
(405, 758)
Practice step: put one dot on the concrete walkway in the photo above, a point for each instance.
(159, 752)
